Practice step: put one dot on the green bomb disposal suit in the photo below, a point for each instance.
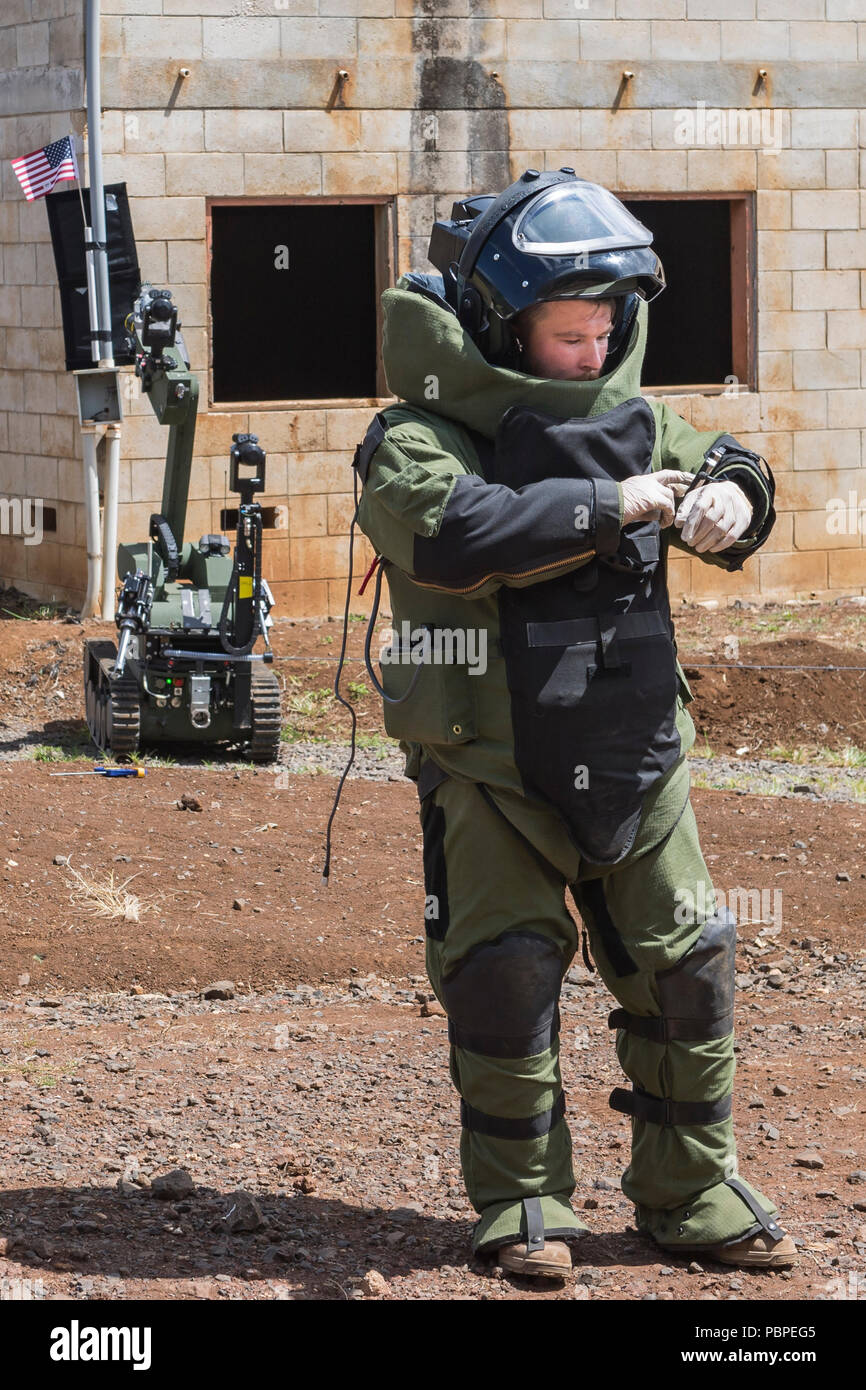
(494, 499)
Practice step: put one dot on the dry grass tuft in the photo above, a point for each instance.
(106, 898)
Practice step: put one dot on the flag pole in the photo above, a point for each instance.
(77, 175)
(90, 269)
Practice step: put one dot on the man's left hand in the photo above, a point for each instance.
(713, 516)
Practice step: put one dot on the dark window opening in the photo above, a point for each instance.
(298, 323)
(271, 519)
(699, 327)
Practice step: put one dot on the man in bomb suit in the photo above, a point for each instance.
(522, 497)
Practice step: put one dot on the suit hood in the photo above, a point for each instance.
(430, 361)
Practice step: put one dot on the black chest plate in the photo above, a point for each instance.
(590, 660)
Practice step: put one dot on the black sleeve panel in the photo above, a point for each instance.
(741, 466)
(487, 528)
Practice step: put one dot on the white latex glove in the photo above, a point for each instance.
(713, 516)
(653, 496)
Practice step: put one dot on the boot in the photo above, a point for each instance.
(754, 1252)
(552, 1261)
(757, 1252)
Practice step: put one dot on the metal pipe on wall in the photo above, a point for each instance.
(90, 435)
(109, 542)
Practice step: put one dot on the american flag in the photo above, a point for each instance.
(38, 172)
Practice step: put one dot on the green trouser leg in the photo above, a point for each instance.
(495, 914)
(667, 955)
(499, 940)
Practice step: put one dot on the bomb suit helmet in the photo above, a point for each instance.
(547, 236)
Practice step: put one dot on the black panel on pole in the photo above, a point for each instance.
(124, 276)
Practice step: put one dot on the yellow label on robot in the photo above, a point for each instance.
(245, 586)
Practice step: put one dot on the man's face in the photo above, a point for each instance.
(566, 340)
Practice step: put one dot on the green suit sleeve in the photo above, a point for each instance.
(427, 509)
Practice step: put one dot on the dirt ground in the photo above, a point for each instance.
(319, 1089)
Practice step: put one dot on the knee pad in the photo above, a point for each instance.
(697, 1003)
(696, 994)
(501, 999)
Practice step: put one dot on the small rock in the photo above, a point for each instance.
(172, 1186)
(222, 989)
(695, 1268)
(244, 1213)
(808, 1160)
(780, 1090)
(666, 1269)
(374, 1284)
(239, 904)
(431, 1008)
(23, 980)
(60, 859)
(188, 803)
(859, 1175)
(843, 878)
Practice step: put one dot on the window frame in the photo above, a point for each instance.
(385, 259)
(744, 304)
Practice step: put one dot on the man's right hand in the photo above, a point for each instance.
(654, 496)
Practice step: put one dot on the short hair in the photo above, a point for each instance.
(525, 318)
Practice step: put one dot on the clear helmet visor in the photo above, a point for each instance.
(574, 217)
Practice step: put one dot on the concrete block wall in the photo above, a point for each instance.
(460, 96)
(41, 99)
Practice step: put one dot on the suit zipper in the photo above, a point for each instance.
(504, 574)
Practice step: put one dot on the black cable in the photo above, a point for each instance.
(351, 708)
(390, 699)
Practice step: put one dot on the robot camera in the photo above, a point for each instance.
(158, 316)
(246, 454)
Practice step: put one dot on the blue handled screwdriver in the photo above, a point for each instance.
(105, 772)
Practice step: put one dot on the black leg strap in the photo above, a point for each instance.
(664, 1111)
(661, 1029)
(773, 1230)
(495, 1045)
(534, 1224)
(500, 1128)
